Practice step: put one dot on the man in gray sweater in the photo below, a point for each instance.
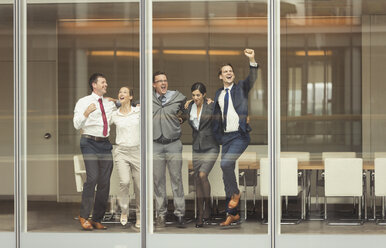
(167, 147)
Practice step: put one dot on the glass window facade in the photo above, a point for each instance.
(292, 156)
(7, 120)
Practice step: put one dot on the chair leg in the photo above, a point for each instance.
(317, 194)
(365, 206)
(302, 215)
(374, 203)
(286, 204)
(217, 206)
(245, 198)
(211, 203)
(325, 207)
(254, 197)
(360, 207)
(262, 208)
(383, 207)
(195, 205)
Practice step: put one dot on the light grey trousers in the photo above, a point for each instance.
(169, 155)
(127, 161)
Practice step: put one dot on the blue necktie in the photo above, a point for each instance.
(162, 99)
(226, 103)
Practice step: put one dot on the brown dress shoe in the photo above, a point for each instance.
(98, 225)
(230, 219)
(234, 201)
(86, 225)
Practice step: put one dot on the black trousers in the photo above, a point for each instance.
(98, 161)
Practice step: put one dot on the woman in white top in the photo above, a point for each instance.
(127, 151)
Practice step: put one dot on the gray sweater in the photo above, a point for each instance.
(165, 118)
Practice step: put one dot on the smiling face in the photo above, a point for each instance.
(100, 86)
(124, 95)
(227, 76)
(198, 97)
(160, 84)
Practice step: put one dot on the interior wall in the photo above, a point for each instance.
(42, 115)
(6, 106)
(374, 87)
(41, 107)
(64, 51)
(76, 62)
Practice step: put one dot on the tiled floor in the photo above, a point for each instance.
(59, 217)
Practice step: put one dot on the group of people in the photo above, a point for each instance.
(222, 121)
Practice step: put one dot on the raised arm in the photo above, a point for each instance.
(248, 83)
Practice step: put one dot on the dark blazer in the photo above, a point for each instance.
(203, 138)
(239, 94)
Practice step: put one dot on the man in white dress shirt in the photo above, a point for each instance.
(231, 128)
(92, 116)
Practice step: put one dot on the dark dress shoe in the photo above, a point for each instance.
(230, 219)
(98, 225)
(199, 222)
(181, 221)
(206, 220)
(85, 224)
(234, 201)
(199, 225)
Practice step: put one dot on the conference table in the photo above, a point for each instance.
(307, 167)
(302, 165)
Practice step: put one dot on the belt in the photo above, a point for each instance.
(165, 141)
(98, 139)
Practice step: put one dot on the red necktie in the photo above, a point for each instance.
(103, 117)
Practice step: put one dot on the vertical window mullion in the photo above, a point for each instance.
(20, 117)
(274, 119)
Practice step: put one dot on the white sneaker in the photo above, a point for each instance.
(138, 224)
(123, 219)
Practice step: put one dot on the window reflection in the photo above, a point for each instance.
(190, 47)
(330, 110)
(6, 120)
(66, 44)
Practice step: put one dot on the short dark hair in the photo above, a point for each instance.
(226, 64)
(94, 78)
(158, 73)
(200, 87)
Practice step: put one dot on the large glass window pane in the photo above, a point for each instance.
(81, 150)
(6, 124)
(332, 115)
(191, 40)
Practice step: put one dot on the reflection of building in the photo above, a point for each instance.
(332, 72)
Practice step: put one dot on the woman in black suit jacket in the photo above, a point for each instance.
(205, 148)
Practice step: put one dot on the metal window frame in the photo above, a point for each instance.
(20, 126)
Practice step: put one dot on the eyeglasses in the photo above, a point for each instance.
(161, 81)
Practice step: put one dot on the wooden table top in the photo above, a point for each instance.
(302, 165)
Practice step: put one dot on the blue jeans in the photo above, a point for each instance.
(233, 145)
